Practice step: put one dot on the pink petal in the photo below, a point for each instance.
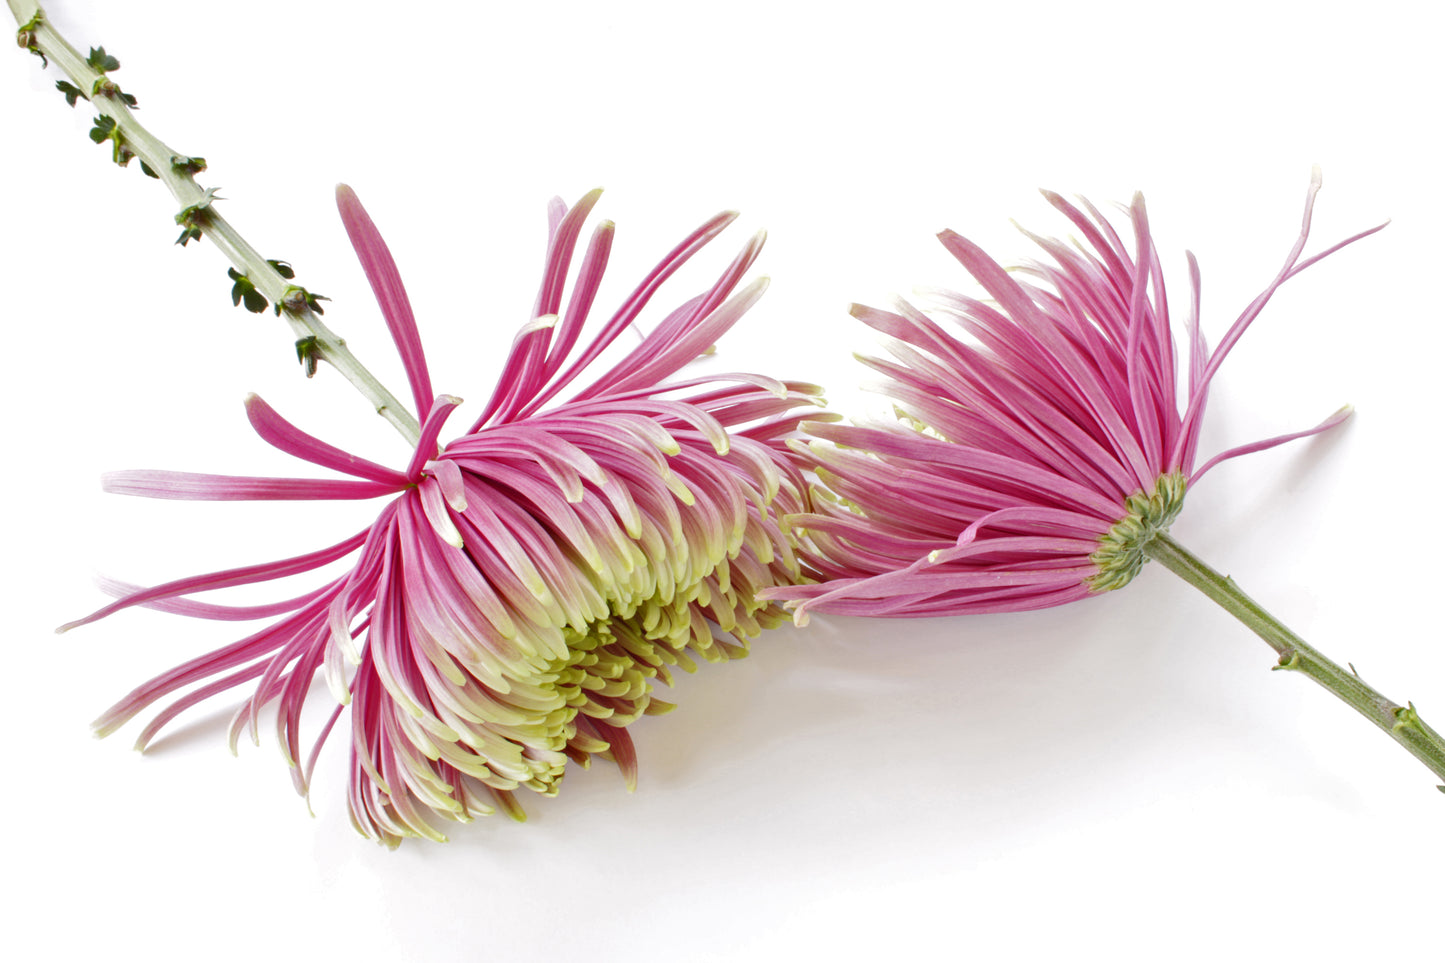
(380, 269)
(1339, 417)
(280, 433)
(225, 579)
(191, 486)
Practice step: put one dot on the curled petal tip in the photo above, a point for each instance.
(1344, 414)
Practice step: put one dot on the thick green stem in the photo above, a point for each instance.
(1401, 723)
(198, 211)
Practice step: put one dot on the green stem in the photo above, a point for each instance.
(176, 171)
(1401, 723)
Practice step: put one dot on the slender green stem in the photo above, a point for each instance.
(1401, 723)
(315, 341)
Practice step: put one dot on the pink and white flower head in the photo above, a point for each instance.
(1033, 465)
(525, 585)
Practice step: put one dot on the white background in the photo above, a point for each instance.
(1122, 776)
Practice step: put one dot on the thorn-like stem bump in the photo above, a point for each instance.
(1287, 660)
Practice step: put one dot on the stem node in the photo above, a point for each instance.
(1406, 717)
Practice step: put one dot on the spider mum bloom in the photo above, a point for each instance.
(525, 585)
(1038, 460)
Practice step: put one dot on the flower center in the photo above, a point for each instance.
(1121, 548)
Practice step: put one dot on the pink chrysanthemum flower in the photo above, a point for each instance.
(525, 585)
(1033, 466)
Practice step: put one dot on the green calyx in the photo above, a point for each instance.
(1121, 548)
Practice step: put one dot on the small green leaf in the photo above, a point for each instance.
(146, 170)
(188, 165)
(102, 61)
(72, 93)
(308, 352)
(283, 268)
(243, 291)
(103, 130)
(191, 233)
